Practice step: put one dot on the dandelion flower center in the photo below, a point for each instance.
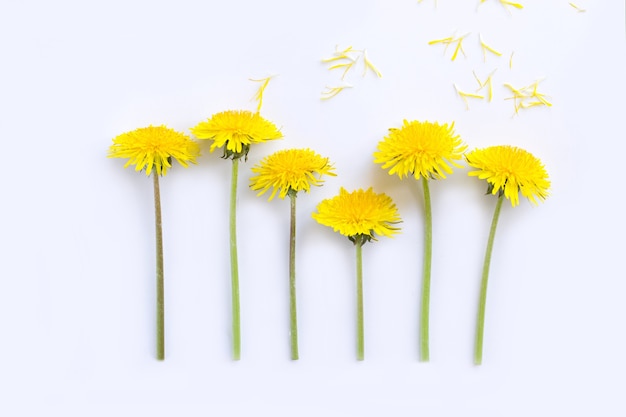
(420, 149)
(153, 147)
(360, 212)
(235, 130)
(510, 170)
(290, 170)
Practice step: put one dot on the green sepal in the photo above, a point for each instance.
(364, 238)
(228, 154)
(490, 188)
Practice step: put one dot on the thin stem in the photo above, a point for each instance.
(234, 266)
(160, 304)
(480, 323)
(360, 333)
(293, 315)
(428, 254)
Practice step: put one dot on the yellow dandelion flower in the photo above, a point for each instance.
(424, 150)
(153, 147)
(420, 149)
(235, 131)
(290, 170)
(359, 213)
(510, 170)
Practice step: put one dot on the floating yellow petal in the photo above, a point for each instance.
(259, 94)
(578, 8)
(528, 96)
(487, 83)
(449, 41)
(347, 61)
(420, 149)
(153, 147)
(290, 170)
(510, 170)
(236, 130)
(486, 48)
(510, 3)
(364, 213)
(370, 66)
(337, 55)
(333, 91)
(465, 95)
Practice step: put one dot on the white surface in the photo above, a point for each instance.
(76, 230)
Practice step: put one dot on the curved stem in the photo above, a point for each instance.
(428, 253)
(160, 302)
(234, 267)
(360, 333)
(292, 279)
(480, 323)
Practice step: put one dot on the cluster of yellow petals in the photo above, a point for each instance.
(236, 130)
(364, 213)
(290, 170)
(421, 149)
(510, 170)
(153, 147)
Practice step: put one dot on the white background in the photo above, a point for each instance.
(77, 238)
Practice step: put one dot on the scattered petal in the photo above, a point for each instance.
(487, 83)
(449, 41)
(259, 94)
(369, 65)
(333, 91)
(579, 9)
(528, 96)
(512, 4)
(465, 96)
(486, 48)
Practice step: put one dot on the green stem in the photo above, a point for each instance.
(293, 315)
(160, 305)
(480, 323)
(234, 267)
(360, 334)
(428, 254)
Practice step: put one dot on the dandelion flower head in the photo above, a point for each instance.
(290, 170)
(363, 213)
(235, 130)
(420, 149)
(510, 170)
(153, 147)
